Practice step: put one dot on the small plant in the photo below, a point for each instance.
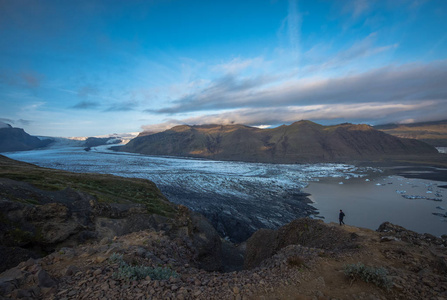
(378, 276)
(116, 258)
(129, 272)
(296, 261)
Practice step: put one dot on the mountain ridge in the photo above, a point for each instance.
(301, 142)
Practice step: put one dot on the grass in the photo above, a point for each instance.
(105, 188)
(375, 275)
(138, 272)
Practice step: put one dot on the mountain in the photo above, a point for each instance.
(94, 141)
(16, 139)
(433, 133)
(302, 141)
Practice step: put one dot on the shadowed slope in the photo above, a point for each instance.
(302, 141)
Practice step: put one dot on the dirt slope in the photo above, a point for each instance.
(416, 264)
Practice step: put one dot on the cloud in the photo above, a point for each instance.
(123, 106)
(27, 79)
(86, 105)
(31, 79)
(397, 84)
(357, 8)
(360, 49)
(7, 120)
(236, 65)
(19, 121)
(218, 95)
(294, 21)
(87, 90)
(161, 126)
(24, 122)
(371, 113)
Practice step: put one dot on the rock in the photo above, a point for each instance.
(388, 239)
(105, 241)
(97, 272)
(44, 280)
(305, 231)
(99, 259)
(207, 243)
(71, 270)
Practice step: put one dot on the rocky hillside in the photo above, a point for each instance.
(392, 263)
(303, 141)
(43, 209)
(433, 133)
(16, 139)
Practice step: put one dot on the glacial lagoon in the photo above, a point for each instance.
(240, 198)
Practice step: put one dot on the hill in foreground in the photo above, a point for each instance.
(42, 210)
(303, 141)
(306, 259)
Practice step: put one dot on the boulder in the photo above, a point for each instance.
(305, 231)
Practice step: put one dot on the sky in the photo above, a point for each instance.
(90, 67)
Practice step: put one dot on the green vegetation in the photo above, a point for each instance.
(105, 188)
(138, 272)
(378, 275)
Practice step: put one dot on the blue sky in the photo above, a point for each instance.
(86, 68)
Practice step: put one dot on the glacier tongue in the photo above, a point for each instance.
(237, 197)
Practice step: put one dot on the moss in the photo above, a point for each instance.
(105, 188)
(20, 237)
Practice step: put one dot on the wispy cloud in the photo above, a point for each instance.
(294, 21)
(123, 106)
(357, 8)
(86, 105)
(87, 90)
(237, 65)
(24, 122)
(220, 94)
(26, 78)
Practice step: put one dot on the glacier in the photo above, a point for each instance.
(237, 197)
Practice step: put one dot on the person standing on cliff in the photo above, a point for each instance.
(341, 215)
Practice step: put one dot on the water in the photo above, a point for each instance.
(240, 198)
(370, 203)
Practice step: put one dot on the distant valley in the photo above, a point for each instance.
(16, 139)
(433, 133)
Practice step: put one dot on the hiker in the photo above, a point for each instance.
(341, 215)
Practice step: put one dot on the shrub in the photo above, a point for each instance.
(116, 258)
(378, 276)
(296, 261)
(129, 272)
